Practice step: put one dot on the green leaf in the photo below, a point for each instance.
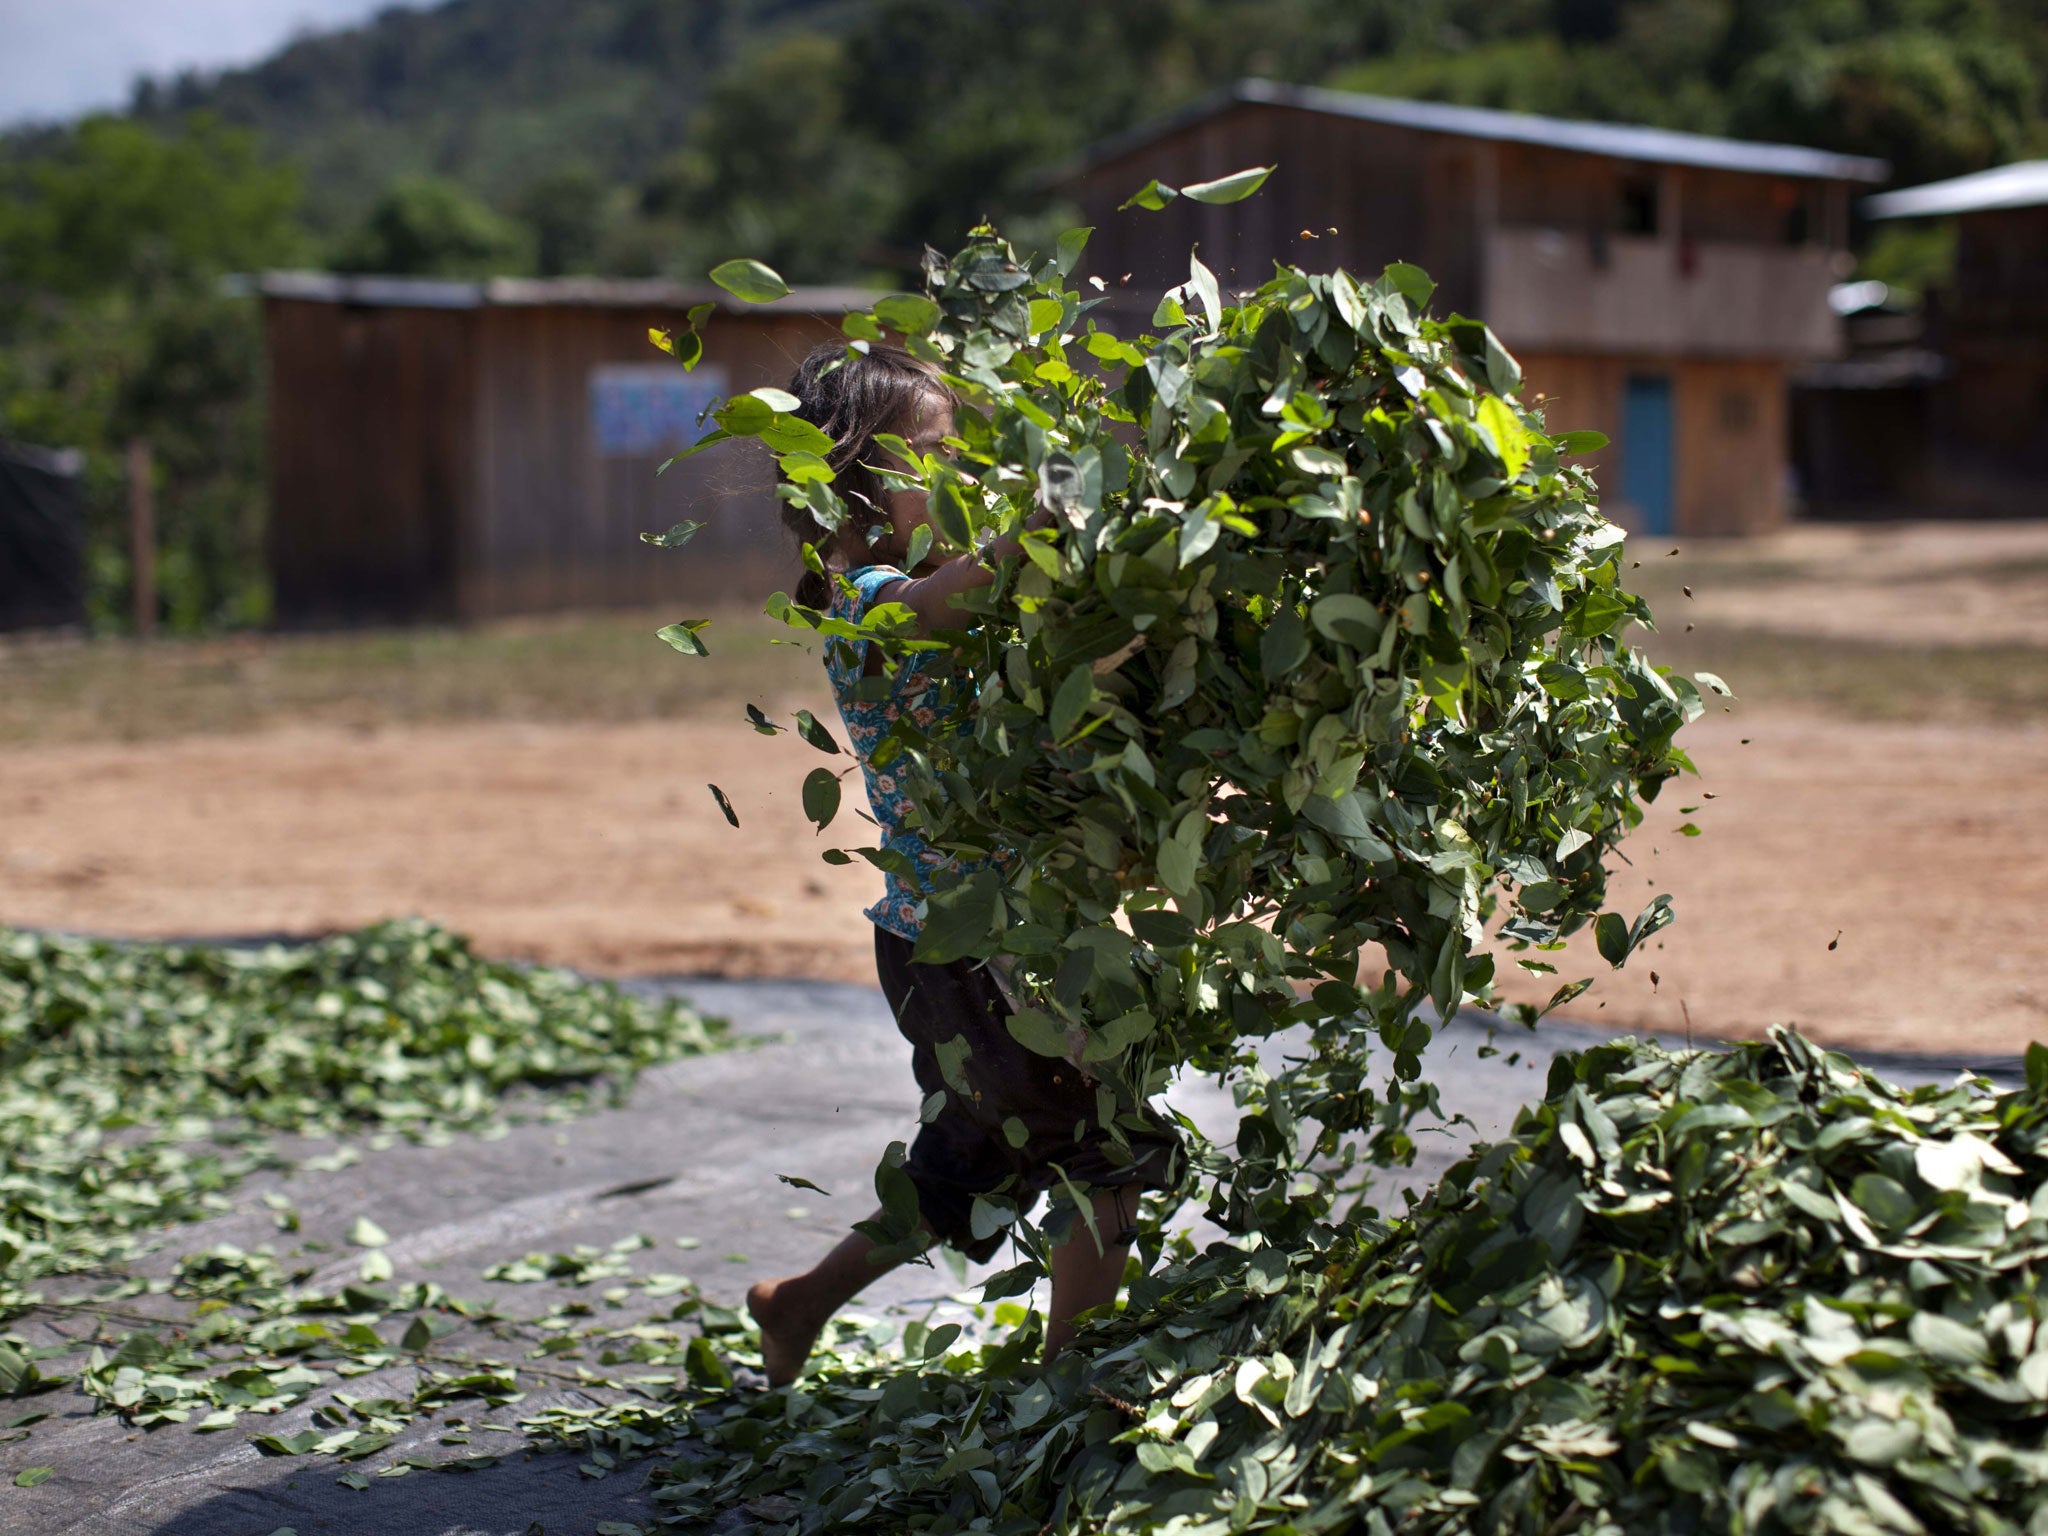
(724, 805)
(787, 434)
(821, 797)
(1284, 645)
(1412, 283)
(1074, 695)
(1071, 243)
(683, 636)
(1610, 932)
(802, 467)
(807, 726)
(675, 538)
(1347, 619)
(908, 314)
(365, 1233)
(1505, 434)
(1710, 680)
(1152, 196)
(1037, 1032)
(1234, 188)
(920, 547)
(705, 1368)
(1580, 442)
(951, 514)
(961, 920)
(750, 280)
(1348, 820)
(30, 1477)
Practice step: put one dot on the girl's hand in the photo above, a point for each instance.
(931, 597)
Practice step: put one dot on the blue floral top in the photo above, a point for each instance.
(927, 699)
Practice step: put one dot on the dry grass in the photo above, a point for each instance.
(584, 667)
(1943, 624)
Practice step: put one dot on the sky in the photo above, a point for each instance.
(59, 58)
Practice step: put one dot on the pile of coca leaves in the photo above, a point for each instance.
(1757, 1290)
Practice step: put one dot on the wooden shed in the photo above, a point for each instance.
(462, 450)
(1979, 427)
(1656, 286)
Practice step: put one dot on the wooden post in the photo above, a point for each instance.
(142, 537)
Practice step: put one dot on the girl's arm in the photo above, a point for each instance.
(931, 596)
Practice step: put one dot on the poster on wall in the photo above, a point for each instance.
(639, 409)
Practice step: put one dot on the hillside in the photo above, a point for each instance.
(838, 135)
(496, 94)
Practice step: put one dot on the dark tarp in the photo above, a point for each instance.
(42, 539)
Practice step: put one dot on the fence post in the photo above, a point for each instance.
(142, 537)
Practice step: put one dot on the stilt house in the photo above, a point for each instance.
(1656, 286)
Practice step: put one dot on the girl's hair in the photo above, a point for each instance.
(865, 394)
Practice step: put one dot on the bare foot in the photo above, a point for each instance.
(786, 1333)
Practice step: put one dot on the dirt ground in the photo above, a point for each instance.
(1927, 851)
(1917, 847)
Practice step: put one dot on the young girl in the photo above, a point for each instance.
(963, 1151)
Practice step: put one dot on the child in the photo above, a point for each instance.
(963, 1151)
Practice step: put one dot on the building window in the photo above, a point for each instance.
(1639, 205)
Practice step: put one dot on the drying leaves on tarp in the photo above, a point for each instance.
(140, 1082)
(1756, 1290)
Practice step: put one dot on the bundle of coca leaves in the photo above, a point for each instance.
(1313, 691)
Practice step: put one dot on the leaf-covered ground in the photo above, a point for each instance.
(1622, 1300)
(1757, 1291)
(140, 1084)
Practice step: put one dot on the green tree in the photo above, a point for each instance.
(116, 322)
(564, 212)
(1933, 104)
(424, 226)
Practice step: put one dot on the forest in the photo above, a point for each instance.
(831, 138)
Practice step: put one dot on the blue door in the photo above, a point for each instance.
(1647, 451)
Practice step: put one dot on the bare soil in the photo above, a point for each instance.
(1925, 849)
(1882, 787)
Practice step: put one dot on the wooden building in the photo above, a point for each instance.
(1656, 286)
(1951, 405)
(458, 450)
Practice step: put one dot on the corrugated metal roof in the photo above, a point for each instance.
(1619, 141)
(532, 292)
(2023, 184)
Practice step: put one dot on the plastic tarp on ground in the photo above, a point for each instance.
(42, 538)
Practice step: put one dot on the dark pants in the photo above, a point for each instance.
(963, 1151)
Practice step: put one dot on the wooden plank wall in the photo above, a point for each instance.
(558, 523)
(1730, 431)
(1391, 194)
(369, 460)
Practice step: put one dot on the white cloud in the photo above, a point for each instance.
(59, 58)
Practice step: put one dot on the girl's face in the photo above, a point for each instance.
(929, 425)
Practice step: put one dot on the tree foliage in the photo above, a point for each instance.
(113, 325)
(424, 226)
